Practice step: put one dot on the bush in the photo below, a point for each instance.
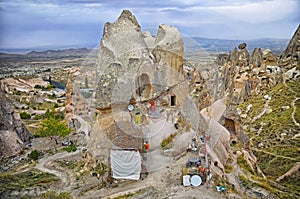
(55, 105)
(25, 115)
(34, 155)
(167, 141)
(70, 148)
(37, 86)
(37, 117)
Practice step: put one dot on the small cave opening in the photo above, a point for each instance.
(230, 126)
(173, 100)
(143, 86)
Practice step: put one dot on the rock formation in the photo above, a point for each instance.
(290, 57)
(69, 104)
(244, 75)
(130, 57)
(12, 132)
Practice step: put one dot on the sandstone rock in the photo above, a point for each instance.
(222, 59)
(134, 65)
(10, 144)
(285, 107)
(233, 57)
(256, 58)
(239, 111)
(269, 59)
(290, 57)
(244, 115)
(12, 131)
(218, 143)
(292, 73)
(242, 46)
(250, 158)
(267, 97)
(238, 153)
(243, 59)
(268, 110)
(248, 108)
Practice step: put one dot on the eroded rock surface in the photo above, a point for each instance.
(290, 57)
(244, 75)
(12, 132)
(134, 59)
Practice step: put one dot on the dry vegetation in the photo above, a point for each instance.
(273, 136)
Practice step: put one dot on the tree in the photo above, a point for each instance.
(53, 127)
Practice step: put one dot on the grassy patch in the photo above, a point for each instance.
(277, 148)
(166, 143)
(244, 165)
(55, 195)
(274, 166)
(228, 168)
(257, 105)
(32, 178)
(131, 195)
(67, 164)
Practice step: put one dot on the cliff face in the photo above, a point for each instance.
(12, 131)
(126, 52)
(290, 57)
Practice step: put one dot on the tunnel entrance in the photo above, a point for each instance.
(230, 126)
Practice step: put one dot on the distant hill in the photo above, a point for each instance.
(55, 53)
(48, 55)
(191, 44)
(225, 45)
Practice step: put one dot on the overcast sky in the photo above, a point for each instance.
(63, 23)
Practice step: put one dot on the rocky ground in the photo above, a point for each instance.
(163, 183)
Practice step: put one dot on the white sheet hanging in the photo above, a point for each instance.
(125, 164)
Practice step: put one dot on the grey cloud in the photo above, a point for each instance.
(82, 20)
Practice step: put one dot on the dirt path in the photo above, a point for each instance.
(273, 154)
(262, 112)
(293, 102)
(66, 177)
(163, 183)
(294, 169)
(294, 111)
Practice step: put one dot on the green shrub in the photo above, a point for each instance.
(25, 115)
(34, 155)
(37, 117)
(70, 148)
(167, 141)
(37, 86)
(228, 168)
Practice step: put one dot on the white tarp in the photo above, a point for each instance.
(125, 164)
